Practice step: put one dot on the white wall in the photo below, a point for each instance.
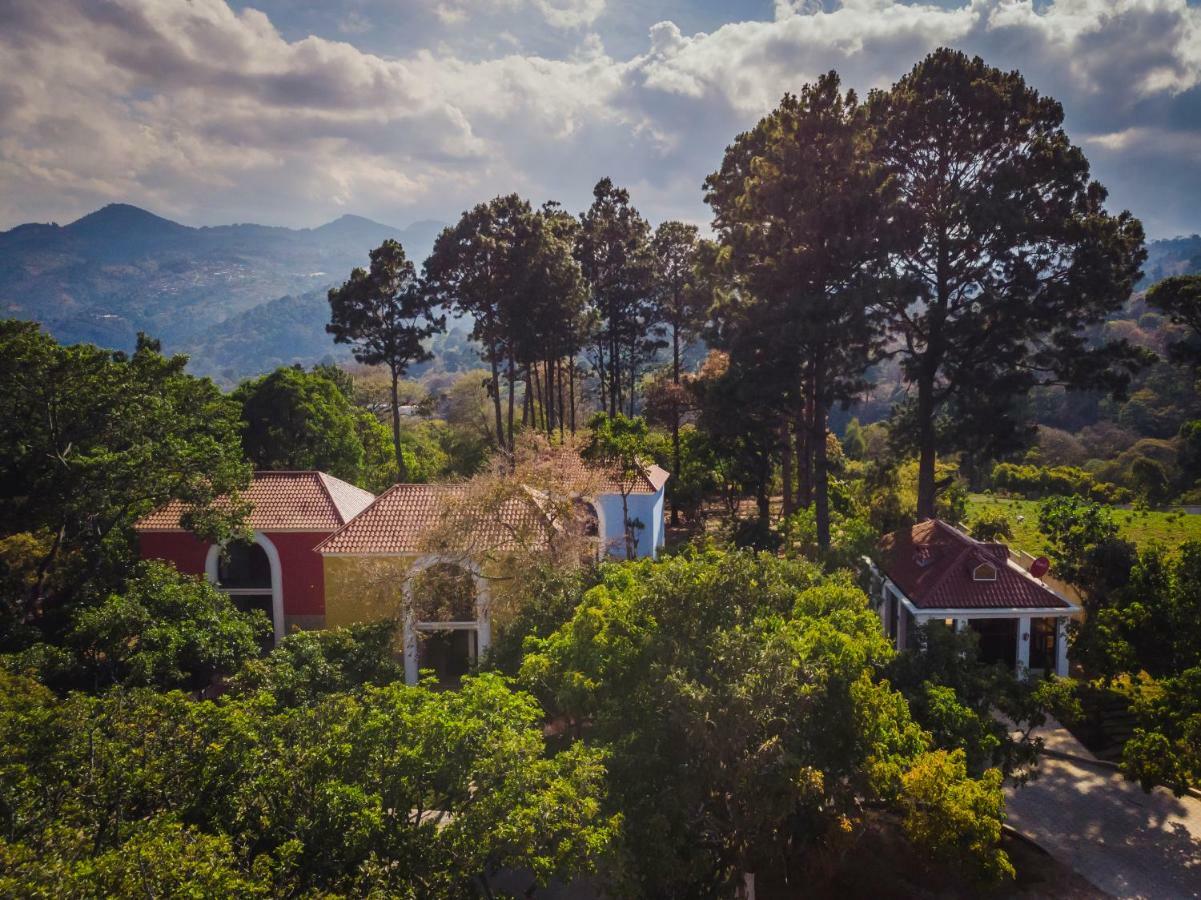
(646, 508)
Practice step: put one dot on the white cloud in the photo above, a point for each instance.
(212, 115)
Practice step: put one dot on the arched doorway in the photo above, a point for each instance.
(249, 573)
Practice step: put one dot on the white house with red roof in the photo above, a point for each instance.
(933, 572)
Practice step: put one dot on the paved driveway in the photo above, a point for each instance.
(1126, 842)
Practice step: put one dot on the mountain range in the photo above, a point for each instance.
(261, 289)
(238, 299)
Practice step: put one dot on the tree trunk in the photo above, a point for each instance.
(571, 386)
(675, 422)
(804, 451)
(786, 470)
(559, 379)
(500, 426)
(821, 481)
(512, 389)
(401, 472)
(926, 449)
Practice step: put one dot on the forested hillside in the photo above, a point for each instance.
(121, 270)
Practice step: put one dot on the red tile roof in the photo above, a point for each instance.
(932, 563)
(283, 501)
(607, 477)
(398, 520)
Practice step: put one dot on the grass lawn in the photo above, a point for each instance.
(1171, 529)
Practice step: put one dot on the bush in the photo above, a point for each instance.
(1039, 482)
(991, 525)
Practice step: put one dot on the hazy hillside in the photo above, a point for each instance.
(1178, 256)
(121, 270)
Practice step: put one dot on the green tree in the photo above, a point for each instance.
(738, 700)
(384, 314)
(1180, 298)
(798, 207)
(683, 304)
(854, 444)
(388, 791)
(310, 665)
(164, 630)
(623, 443)
(294, 419)
(1166, 746)
(613, 247)
(1007, 248)
(90, 441)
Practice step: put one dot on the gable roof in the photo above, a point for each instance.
(282, 501)
(932, 563)
(608, 476)
(399, 518)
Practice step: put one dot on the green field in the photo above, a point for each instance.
(1171, 529)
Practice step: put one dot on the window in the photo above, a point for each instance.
(244, 573)
(443, 598)
(984, 572)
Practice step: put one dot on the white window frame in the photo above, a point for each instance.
(212, 573)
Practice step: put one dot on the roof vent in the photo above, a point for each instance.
(986, 571)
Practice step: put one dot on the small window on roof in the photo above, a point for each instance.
(984, 572)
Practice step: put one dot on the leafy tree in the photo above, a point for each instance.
(854, 444)
(384, 314)
(737, 698)
(389, 791)
(991, 525)
(1166, 746)
(164, 630)
(613, 248)
(1008, 251)
(309, 665)
(798, 207)
(1180, 298)
(294, 419)
(958, 818)
(683, 305)
(621, 442)
(90, 441)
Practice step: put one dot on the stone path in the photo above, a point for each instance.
(1128, 843)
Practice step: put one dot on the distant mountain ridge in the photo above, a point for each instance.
(122, 269)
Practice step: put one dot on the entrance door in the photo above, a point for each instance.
(450, 652)
(998, 640)
(1043, 644)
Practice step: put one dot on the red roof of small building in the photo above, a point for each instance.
(933, 564)
(282, 501)
(398, 520)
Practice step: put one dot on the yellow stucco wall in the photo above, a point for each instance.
(363, 588)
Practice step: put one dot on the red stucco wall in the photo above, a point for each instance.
(303, 577)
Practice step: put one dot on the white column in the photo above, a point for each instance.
(1061, 646)
(1023, 645)
(902, 628)
(961, 624)
(410, 637)
(483, 617)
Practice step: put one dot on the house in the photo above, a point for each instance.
(279, 572)
(933, 572)
(327, 554)
(377, 562)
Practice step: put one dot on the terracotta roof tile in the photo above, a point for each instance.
(401, 516)
(608, 476)
(283, 501)
(932, 563)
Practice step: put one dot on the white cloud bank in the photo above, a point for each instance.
(207, 114)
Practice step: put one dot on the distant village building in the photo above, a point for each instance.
(324, 551)
(933, 572)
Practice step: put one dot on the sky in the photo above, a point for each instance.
(294, 112)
